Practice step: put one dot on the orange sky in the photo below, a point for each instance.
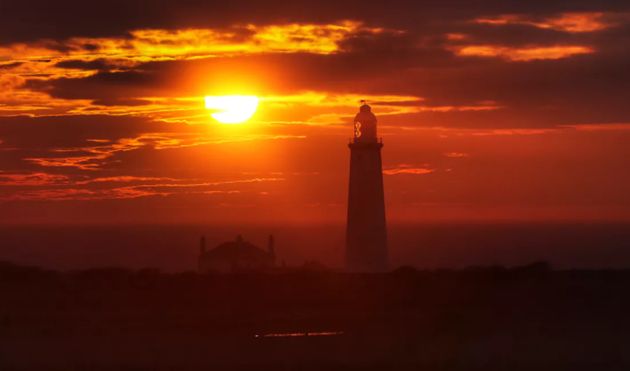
(503, 112)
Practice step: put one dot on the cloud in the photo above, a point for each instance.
(106, 102)
(574, 22)
(147, 45)
(122, 154)
(408, 169)
(523, 54)
(511, 132)
(456, 154)
(621, 126)
(95, 157)
(52, 187)
(100, 64)
(161, 71)
(31, 179)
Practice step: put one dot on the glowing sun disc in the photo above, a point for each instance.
(232, 109)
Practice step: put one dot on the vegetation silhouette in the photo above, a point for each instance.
(492, 318)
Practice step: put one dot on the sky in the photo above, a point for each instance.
(488, 110)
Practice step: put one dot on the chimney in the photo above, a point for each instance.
(271, 248)
(202, 245)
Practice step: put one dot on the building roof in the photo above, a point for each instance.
(236, 250)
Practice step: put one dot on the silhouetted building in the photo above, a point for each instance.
(366, 232)
(236, 256)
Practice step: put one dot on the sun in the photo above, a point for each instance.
(232, 109)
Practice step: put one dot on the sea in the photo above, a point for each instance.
(174, 248)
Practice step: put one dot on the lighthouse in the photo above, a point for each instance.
(366, 230)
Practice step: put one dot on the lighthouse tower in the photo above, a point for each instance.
(366, 231)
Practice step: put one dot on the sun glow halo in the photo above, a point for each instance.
(232, 109)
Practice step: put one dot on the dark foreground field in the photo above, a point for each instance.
(527, 318)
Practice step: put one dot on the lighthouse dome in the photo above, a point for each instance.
(365, 114)
(365, 125)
